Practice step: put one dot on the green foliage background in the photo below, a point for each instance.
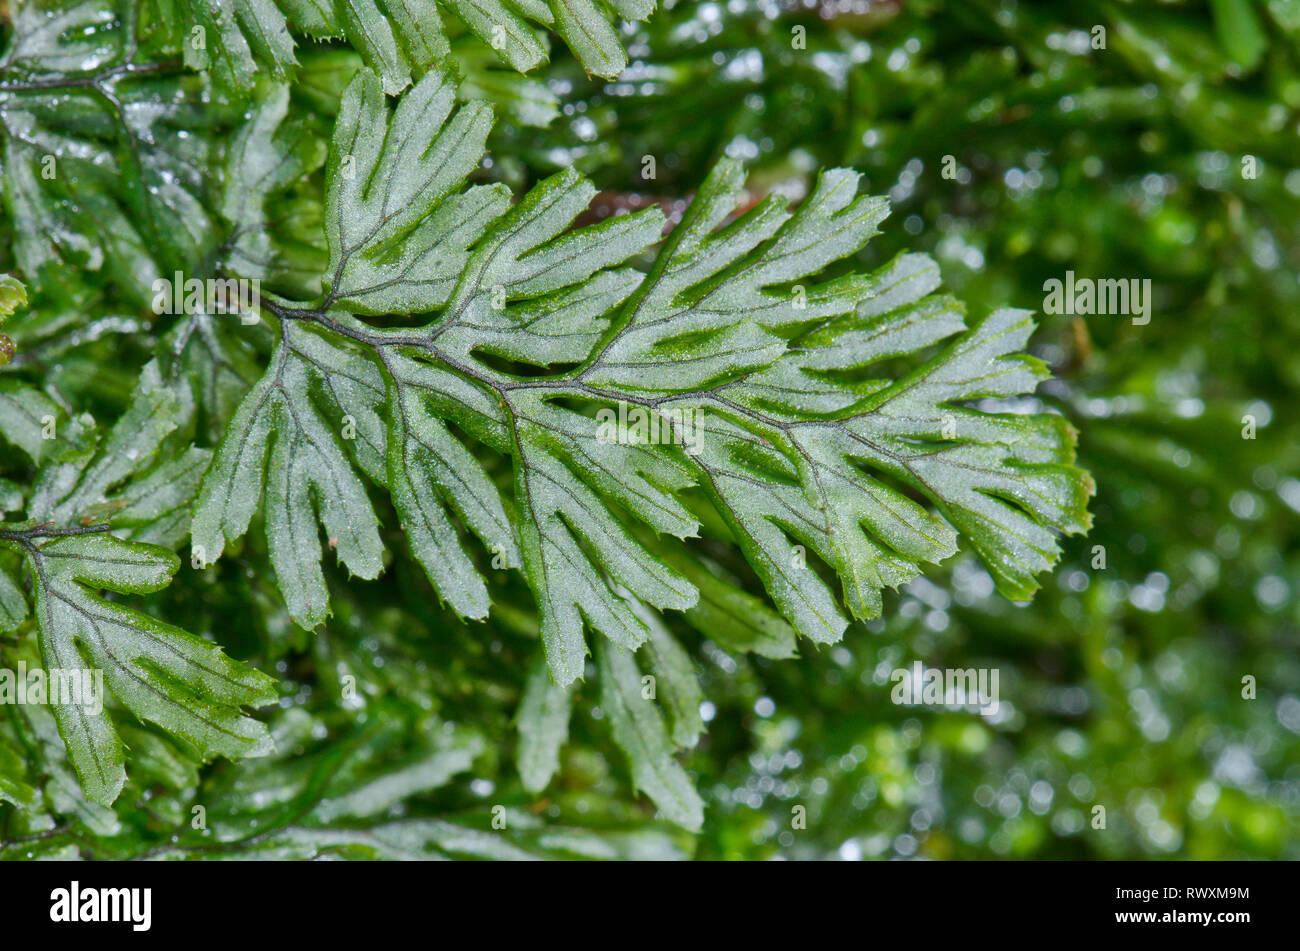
(1120, 686)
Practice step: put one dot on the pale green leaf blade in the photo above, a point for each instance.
(543, 723)
(26, 416)
(678, 686)
(590, 36)
(639, 730)
(13, 603)
(161, 673)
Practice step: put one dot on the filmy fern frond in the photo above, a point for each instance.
(773, 391)
(160, 673)
(399, 39)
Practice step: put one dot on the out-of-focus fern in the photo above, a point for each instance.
(399, 39)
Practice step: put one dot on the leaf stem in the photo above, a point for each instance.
(25, 536)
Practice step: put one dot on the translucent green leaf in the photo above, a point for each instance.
(280, 447)
(232, 37)
(677, 685)
(431, 768)
(543, 722)
(107, 161)
(141, 472)
(398, 39)
(732, 616)
(13, 604)
(13, 788)
(25, 415)
(269, 153)
(399, 224)
(160, 673)
(851, 426)
(639, 730)
(1239, 31)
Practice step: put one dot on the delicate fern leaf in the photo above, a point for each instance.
(158, 761)
(731, 370)
(279, 445)
(585, 26)
(577, 553)
(107, 156)
(427, 839)
(429, 470)
(1002, 480)
(14, 789)
(786, 478)
(531, 288)
(156, 508)
(352, 392)
(757, 487)
(86, 479)
(639, 730)
(25, 417)
(230, 38)
(562, 520)
(78, 488)
(590, 36)
(160, 673)
(504, 30)
(13, 604)
(234, 40)
(393, 197)
(543, 723)
(677, 685)
(395, 46)
(318, 797)
(705, 312)
(267, 155)
(429, 473)
(211, 361)
(728, 614)
(430, 767)
(58, 791)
